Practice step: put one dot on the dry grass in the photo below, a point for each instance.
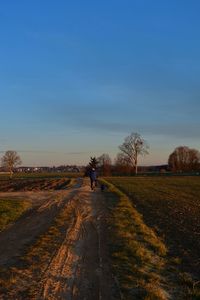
(138, 255)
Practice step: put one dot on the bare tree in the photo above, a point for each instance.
(184, 159)
(10, 160)
(133, 146)
(122, 164)
(105, 164)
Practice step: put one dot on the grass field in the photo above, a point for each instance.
(11, 210)
(171, 206)
(40, 175)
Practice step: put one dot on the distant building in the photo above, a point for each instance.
(59, 169)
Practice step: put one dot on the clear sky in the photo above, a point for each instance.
(76, 77)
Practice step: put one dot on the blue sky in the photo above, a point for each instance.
(76, 77)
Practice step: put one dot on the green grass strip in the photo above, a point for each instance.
(11, 210)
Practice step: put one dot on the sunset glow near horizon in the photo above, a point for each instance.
(77, 77)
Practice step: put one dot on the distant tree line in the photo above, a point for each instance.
(127, 159)
(182, 159)
(11, 160)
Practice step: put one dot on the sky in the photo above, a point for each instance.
(77, 77)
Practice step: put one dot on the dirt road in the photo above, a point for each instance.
(76, 270)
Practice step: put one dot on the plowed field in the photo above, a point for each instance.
(33, 184)
(172, 207)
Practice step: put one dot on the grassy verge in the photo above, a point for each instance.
(11, 210)
(138, 255)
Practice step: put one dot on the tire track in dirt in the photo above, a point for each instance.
(61, 268)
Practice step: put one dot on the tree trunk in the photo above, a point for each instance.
(11, 173)
(136, 169)
(136, 166)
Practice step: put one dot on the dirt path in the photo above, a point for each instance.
(79, 269)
